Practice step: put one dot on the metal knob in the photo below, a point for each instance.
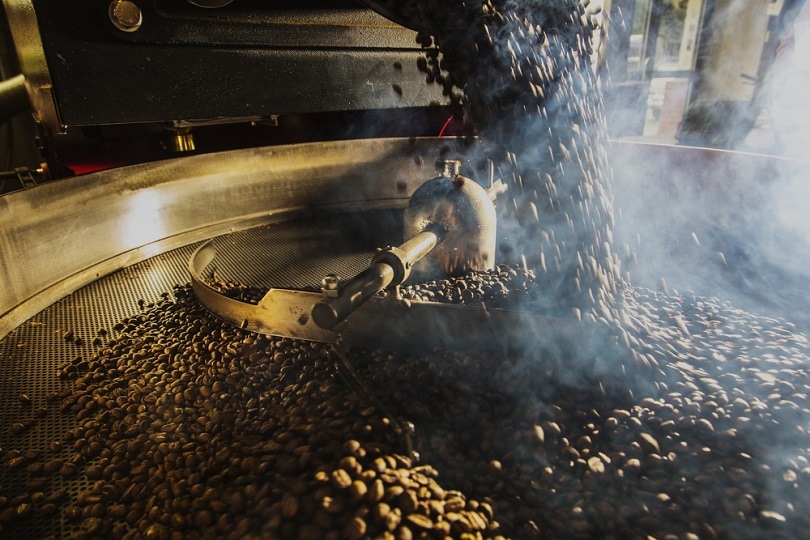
(450, 167)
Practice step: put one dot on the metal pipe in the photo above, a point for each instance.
(390, 266)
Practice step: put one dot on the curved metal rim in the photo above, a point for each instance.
(282, 312)
(60, 236)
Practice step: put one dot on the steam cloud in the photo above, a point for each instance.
(686, 367)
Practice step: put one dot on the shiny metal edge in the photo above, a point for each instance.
(44, 298)
(60, 236)
(22, 21)
(281, 312)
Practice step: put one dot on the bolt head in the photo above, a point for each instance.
(330, 281)
(450, 167)
(125, 15)
(330, 285)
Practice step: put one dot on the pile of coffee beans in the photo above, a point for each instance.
(706, 438)
(188, 428)
(691, 419)
(505, 287)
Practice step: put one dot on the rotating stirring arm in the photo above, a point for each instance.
(450, 225)
(450, 213)
(389, 267)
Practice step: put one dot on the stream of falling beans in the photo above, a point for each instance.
(530, 89)
(522, 71)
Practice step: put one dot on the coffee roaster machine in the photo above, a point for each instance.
(336, 82)
(236, 72)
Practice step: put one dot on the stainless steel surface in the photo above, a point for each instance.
(399, 11)
(22, 22)
(281, 312)
(13, 97)
(360, 289)
(57, 237)
(379, 322)
(465, 213)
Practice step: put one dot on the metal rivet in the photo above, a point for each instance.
(125, 15)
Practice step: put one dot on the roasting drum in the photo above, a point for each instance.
(78, 255)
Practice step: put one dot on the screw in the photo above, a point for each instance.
(330, 285)
(125, 15)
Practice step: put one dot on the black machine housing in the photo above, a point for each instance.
(249, 58)
(312, 69)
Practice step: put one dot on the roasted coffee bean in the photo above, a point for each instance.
(355, 529)
(56, 496)
(68, 470)
(341, 479)
(18, 428)
(92, 525)
(48, 509)
(24, 510)
(52, 466)
(94, 472)
(7, 516)
(73, 513)
(37, 484)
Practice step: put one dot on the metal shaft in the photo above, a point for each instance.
(13, 97)
(389, 267)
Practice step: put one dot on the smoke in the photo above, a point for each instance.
(782, 126)
(710, 223)
(717, 224)
(694, 375)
